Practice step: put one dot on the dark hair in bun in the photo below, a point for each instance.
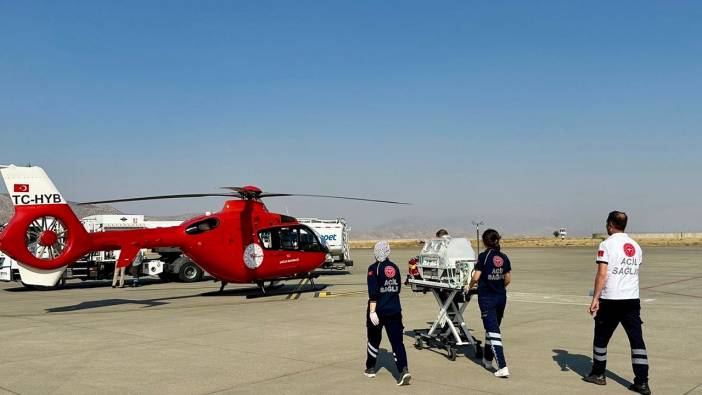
(491, 239)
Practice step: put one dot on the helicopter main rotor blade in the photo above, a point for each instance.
(161, 197)
(265, 195)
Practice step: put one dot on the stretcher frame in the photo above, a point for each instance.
(450, 330)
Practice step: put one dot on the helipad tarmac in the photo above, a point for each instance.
(179, 339)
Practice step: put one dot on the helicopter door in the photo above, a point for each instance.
(284, 245)
(279, 245)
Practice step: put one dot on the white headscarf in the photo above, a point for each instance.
(381, 251)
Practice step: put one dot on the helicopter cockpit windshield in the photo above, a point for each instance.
(292, 238)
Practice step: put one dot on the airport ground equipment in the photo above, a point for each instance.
(335, 233)
(561, 233)
(170, 264)
(244, 243)
(445, 266)
(9, 270)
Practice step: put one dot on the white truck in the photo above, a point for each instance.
(335, 233)
(560, 233)
(9, 271)
(168, 263)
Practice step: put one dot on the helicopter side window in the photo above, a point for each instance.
(266, 239)
(202, 226)
(289, 239)
(308, 241)
(293, 238)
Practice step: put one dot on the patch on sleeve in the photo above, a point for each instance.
(600, 253)
(370, 273)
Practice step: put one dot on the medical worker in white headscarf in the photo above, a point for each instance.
(384, 310)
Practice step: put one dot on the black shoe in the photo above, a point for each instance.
(405, 377)
(370, 372)
(640, 388)
(598, 379)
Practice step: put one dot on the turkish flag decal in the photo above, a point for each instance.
(21, 188)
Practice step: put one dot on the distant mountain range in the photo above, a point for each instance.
(7, 210)
(82, 211)
(405, 228)
(424, 227)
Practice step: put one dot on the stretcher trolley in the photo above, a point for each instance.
(445, 268)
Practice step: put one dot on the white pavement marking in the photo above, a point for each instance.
(529, 297)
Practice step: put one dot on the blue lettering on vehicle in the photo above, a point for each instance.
(329, 237)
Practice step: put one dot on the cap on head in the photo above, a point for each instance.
(442, 233)
(381, 251)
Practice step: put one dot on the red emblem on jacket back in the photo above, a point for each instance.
(497, 261)
(389, 271)
(629, 250)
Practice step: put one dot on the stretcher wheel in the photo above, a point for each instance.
(418, 343)
(452, 354)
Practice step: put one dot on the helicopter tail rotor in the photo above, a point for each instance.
(44, 232)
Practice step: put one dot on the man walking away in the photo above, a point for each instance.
(616, 300)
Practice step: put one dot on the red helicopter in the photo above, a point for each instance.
(243, 243)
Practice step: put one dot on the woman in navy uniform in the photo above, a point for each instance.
(384, 310)
(492, 274)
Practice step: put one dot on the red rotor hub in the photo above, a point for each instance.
(48, 238)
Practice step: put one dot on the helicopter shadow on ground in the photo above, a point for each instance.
(581, 365)
(255, 292)
(94, 304)
(329, 272)
(248, 292)
(84, 285)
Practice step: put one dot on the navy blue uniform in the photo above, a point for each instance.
(492, 299)
(384, 282)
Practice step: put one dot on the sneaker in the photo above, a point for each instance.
(504, 372)
(641, 388)
(598, 379)
(370, 372)
(405, 377)
(488, 364)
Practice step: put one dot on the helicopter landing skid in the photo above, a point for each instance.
(297, 291)
(272, 282)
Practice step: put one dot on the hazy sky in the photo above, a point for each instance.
(528, 114)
